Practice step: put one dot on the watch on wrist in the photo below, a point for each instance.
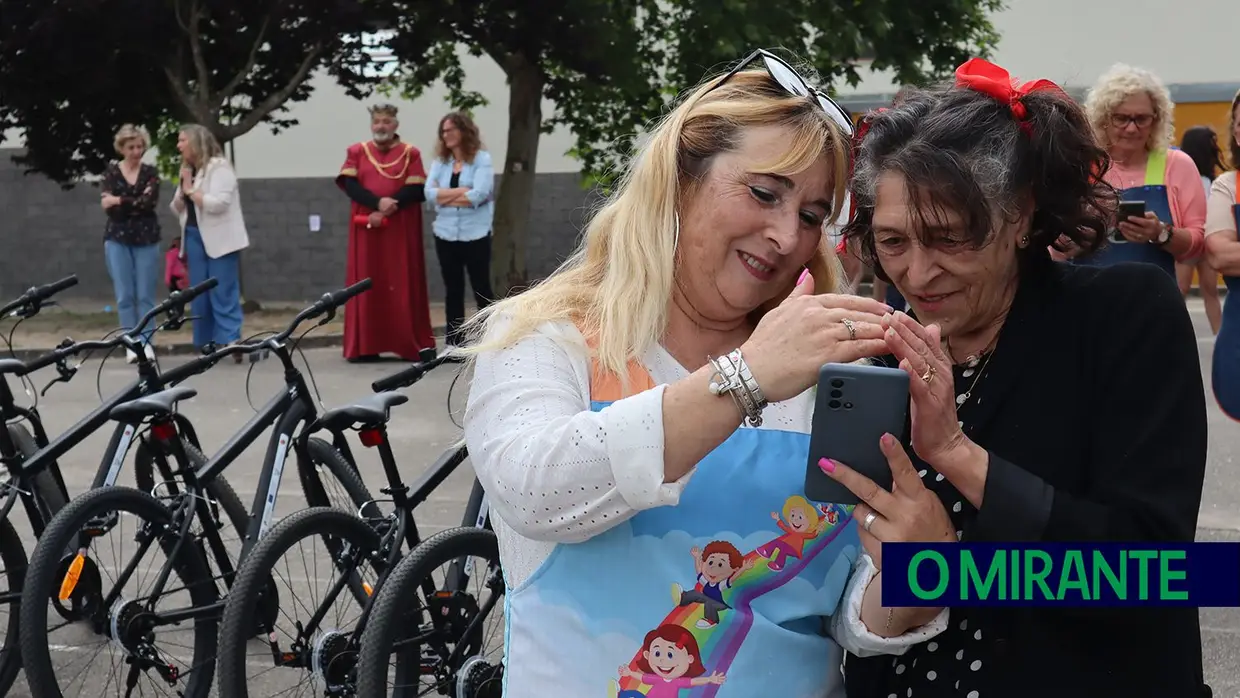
(1164, 236)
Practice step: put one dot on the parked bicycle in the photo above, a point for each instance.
(321, 647)
(166, 635)
(31, 462)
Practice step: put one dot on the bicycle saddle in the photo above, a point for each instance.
(8, 366)
(370, 411)
(156, 405)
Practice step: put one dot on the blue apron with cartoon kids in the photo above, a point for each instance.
(726, 594)
(1225, 378)
(1158, 202)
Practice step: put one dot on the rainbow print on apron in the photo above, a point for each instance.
(687, 601)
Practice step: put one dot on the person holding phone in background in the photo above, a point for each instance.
(640, 420)
(1049, 402)
(1131, 114)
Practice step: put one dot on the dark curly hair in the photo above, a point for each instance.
(963, 151)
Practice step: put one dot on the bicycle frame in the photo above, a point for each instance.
(21, 471)
(288, 409)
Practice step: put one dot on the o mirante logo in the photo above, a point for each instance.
(1061, 574)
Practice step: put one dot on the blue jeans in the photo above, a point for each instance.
(217, 313)
(135, 275)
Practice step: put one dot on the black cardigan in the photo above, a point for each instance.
(1092, 407)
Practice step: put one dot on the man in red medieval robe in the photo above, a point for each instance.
(384, 179)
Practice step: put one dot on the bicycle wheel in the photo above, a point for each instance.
(435, 633)
(330, 480)
(123, 631)
(12, 575)
(320, 643)
(44, 483)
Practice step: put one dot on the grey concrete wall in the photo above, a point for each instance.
(47, 233)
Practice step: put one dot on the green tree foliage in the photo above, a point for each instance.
(74, 70)
(612, 67)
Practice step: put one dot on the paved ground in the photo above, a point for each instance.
(423, 428)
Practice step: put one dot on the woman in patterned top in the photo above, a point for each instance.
(1051, 402)
(131, 238)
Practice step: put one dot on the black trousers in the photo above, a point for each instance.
(456, 259)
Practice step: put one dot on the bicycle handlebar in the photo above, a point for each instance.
(408, 376)
(176, 300)
(38, 294)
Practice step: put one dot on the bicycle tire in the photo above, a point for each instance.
(322, 453)
(42, 581)
(392, 600)
(45, 482)
(241, 606)
(218, 489)
(13, 561)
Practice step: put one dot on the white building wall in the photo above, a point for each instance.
(1074, 41)
(1069, 41)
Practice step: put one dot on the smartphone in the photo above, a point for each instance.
(856, 404)
(1135, 209)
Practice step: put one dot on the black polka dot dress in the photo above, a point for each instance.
(953, 665)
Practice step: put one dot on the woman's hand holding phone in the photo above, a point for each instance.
(909, 513)
(793, 341)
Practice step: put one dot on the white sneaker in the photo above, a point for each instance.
(130, 357)
(150, 352)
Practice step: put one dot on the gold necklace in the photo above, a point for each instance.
(382, 169)
(970, 364)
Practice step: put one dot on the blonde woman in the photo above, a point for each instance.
(213, 234)
(1131, 114)
(639, 506)
(131, 236)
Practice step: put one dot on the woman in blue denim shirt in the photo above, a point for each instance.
(461, 186)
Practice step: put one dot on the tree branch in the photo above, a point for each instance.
(250, 60)
(275, 99)
(200, 61)
(192, 106)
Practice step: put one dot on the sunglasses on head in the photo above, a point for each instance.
(792, 82)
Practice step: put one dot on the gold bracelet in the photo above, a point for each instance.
(891, 612)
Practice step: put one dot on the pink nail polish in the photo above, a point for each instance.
(801, 278)
(889, 440)
(826, 464)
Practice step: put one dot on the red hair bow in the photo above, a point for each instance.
(983, 76)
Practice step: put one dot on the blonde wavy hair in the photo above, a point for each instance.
(203, 143)
(1118, 84)
(127, 133)
(617, 285)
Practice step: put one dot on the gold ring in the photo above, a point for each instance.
(929, 374)
(852, 329)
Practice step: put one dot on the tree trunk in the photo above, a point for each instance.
(516, 185)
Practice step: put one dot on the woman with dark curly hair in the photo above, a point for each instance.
(1050, 402)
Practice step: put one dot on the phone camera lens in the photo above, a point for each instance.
(834, 404)
(848, 405)
(837, 393)
(837, 383)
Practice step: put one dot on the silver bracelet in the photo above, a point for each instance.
(736, 379)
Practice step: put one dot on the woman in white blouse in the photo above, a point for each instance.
(652, 529)
(208, 204)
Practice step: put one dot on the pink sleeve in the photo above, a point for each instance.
(1187, 199)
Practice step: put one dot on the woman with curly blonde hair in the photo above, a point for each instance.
(1132, 115)
(641, 418)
